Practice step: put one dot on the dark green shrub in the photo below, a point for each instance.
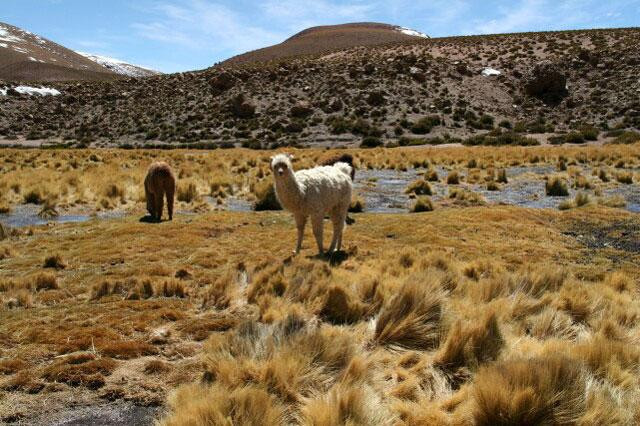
(590, 133)
(370, 142)
(627, 137)
(507, 138)
(425, 124)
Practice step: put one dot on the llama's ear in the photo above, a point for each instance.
(291, 157)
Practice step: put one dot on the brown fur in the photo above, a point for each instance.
(160, 181)
(344, 158)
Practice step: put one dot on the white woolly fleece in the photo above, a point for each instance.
(312, 192)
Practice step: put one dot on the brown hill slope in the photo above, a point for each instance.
(25, 56)
(412, 91)
(316, 40)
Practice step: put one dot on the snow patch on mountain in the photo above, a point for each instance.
(409, 31)
(28, 90)
(118, 66)
(42, 91)
(489, 72)
(5, 35)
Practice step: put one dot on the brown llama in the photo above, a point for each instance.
(344, 158)
(160, 180)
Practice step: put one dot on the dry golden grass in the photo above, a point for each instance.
(426, 319)
(529, 392)
(77, 180)
(79, 370)
(411, 319)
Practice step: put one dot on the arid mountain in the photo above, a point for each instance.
(25, 56)
(120, 67)
(323, 39)
(571, 85)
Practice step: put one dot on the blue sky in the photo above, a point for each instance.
(180, 35)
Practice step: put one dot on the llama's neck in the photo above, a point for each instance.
(289, 191)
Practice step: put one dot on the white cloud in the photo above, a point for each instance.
(298, 15)
(527, 13)
(199, 24)
(543, 15)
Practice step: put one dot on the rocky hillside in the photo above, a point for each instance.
(317, 40)
(570, 85)
(25, 56)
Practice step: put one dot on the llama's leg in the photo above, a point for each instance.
(301, 221)
(149, 197)
(338, 219)
(159, 197)
(335, 217)
(343, 218)
(170, 195)
(316, 222)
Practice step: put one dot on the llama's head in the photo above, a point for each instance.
(281, 165)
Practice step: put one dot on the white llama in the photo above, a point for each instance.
(316, 192)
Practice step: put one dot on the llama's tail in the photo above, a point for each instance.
(344, 168)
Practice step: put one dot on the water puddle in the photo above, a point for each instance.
(101, 415)
(233, 204)
(27, 215)
(384, 192)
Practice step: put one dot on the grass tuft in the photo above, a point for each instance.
(54, 262)
(453, 178)
(419, 187)
(529, 392)
(201, 404)
(45, 281)
(187, 193)
(411, 319)
(341, 306)
(422, 204)
(625, 178)
(266, 199)
(357, 205)
(431, 176)
(581, 199)
(556, 187)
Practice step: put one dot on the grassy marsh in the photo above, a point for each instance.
(434, 318)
